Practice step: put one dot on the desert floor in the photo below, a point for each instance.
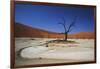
(31, 51)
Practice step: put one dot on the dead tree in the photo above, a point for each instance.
(67, 29)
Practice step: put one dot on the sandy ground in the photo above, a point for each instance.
(34, 51)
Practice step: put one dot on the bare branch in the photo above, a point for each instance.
(71, 25)
(63, 20)
(63, 26)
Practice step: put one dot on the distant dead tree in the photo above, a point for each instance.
(69, 28)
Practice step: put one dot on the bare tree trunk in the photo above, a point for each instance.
(66, 35)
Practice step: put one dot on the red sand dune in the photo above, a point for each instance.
(27, 31)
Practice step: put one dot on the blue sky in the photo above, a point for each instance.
(48, 17)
